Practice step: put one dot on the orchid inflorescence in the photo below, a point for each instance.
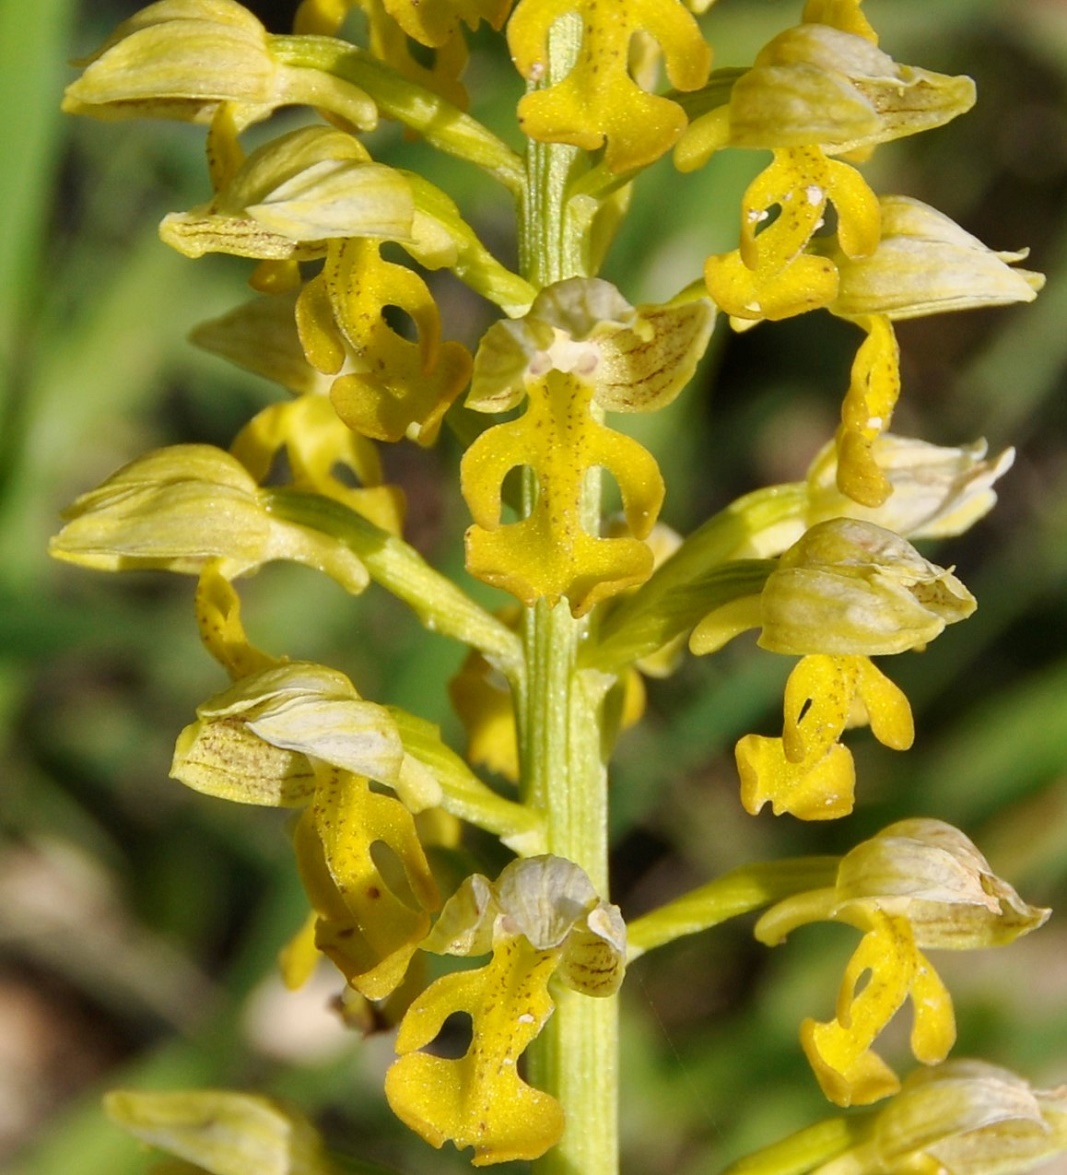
(824, 569)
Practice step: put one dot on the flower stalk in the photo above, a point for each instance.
(822, 568)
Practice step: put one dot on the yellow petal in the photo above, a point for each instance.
(841, 14)
(933, 1031)
(817, 789)
(397, 386)
(300, 956)
(887, 708)
(480, 1100)
(318, 446)
(481, 697)
(433, 22)
(867, 411)
(598, 103)
(368, 881)
(550, 554)
(218, 616)
(840, 1051)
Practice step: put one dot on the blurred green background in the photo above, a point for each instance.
(139, 922)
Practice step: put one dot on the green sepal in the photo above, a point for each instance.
(224, 1132)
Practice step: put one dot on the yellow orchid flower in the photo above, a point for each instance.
(845, 591)
(386, 386)
(541, 918)
(839, 1051)
(367, 879)
(581, 349)
(598, 103)
(771, 276)
(919, 884)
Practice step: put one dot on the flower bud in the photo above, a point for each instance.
(849, 587)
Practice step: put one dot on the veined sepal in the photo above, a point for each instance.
(252, 742)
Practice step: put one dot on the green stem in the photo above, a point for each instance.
(803, 1151)
(436, 600)
(439, 122)
(575, 1058)
(740, 891)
